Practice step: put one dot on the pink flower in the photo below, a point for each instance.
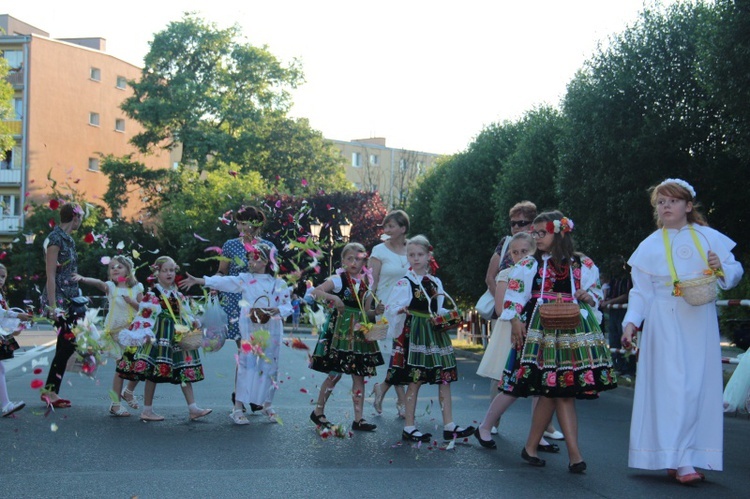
(589, 377)
(513, 284)
(551, 378)
(577, 274)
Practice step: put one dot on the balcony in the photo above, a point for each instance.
(14, 127)
(15, 77)
(10, 177)
(10, 224)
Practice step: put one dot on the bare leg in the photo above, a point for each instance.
(566, 415)
(446, 403)
(325, 391)
(497, 408)
(493, 393)
(358, 396)
(539, 421)
(148, 393)
(187, 391)
(412, 391)
(550, 427)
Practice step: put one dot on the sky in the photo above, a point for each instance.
(426, 75)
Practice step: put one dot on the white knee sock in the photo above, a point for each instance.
(4, 400)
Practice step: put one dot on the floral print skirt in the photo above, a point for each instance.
(343, 347)
(421, 354)
(559, 362)
(163, 361)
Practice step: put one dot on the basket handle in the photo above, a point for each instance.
(258, 298)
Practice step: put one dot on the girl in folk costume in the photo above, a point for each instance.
(342, 348)
(495, 358)
(163, 316)
(560, 360)
(262, 295)
(123, 293)
(421, 354)
(8, 345)
(677, 420)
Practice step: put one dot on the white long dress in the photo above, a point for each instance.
(256, 377)
(496, 356)
(737, 392)
(392, 268)
(677, 410)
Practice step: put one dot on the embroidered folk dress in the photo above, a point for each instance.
(556, 362)
(342, 348)
(235, 250)
(161, 360)
(257, 374)
(420, 354)
(677, 407)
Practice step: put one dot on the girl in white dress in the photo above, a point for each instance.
(123, 293)
(677, 421)
(389, 264)
(8, 345)
(256, 374)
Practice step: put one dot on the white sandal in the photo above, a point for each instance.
(132, 402)
(271, 414)
(238, 417)
(119, 413)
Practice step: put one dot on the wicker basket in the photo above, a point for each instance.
(191, 340)
(260, 315)
(447, 321)
(699, 291)
(378, 331)
(560, 315)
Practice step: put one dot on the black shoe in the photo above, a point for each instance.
(255, 407)
(321, 420)
(411, 437)
(577, 467)
(548, 448)
(243, 405)
(487, 444)
(534, 461)
(458, 433)
(363, 425)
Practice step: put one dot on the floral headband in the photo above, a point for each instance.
(561, 226)
(679, 182)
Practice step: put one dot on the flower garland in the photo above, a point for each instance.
(681, 183)
(562, 226)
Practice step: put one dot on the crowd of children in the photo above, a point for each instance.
(547, 343)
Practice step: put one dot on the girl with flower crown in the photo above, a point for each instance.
(421, 354)
(163, 315)
(342, 348)
(561, 365)
(677, 421)
(257, 369)
(124, 293)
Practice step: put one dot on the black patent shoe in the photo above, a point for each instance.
(321, 420)
(532, 460)
(411, 437)
(243, 405)
(456, 433)
(255, 407)
(577, 467)
(548, 448)
(363, 425)
(487, 444)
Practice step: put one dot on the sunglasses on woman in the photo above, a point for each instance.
(519, 223)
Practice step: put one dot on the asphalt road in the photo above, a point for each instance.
(90, 454)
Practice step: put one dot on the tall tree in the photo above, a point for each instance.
(6, 108)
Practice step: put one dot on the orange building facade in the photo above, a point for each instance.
(67, 97)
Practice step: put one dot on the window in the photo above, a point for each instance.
(14, 58)
(374, 159)
(122, 82)
(120, 125)
(402, 164)
(18, 108)
(356, 159)
(10, 205)
(93, 164)
(94, 119)
(11, 160)
(420, 168)
(96, 74)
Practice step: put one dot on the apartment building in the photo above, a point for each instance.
(372, 166)
(67, 96)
